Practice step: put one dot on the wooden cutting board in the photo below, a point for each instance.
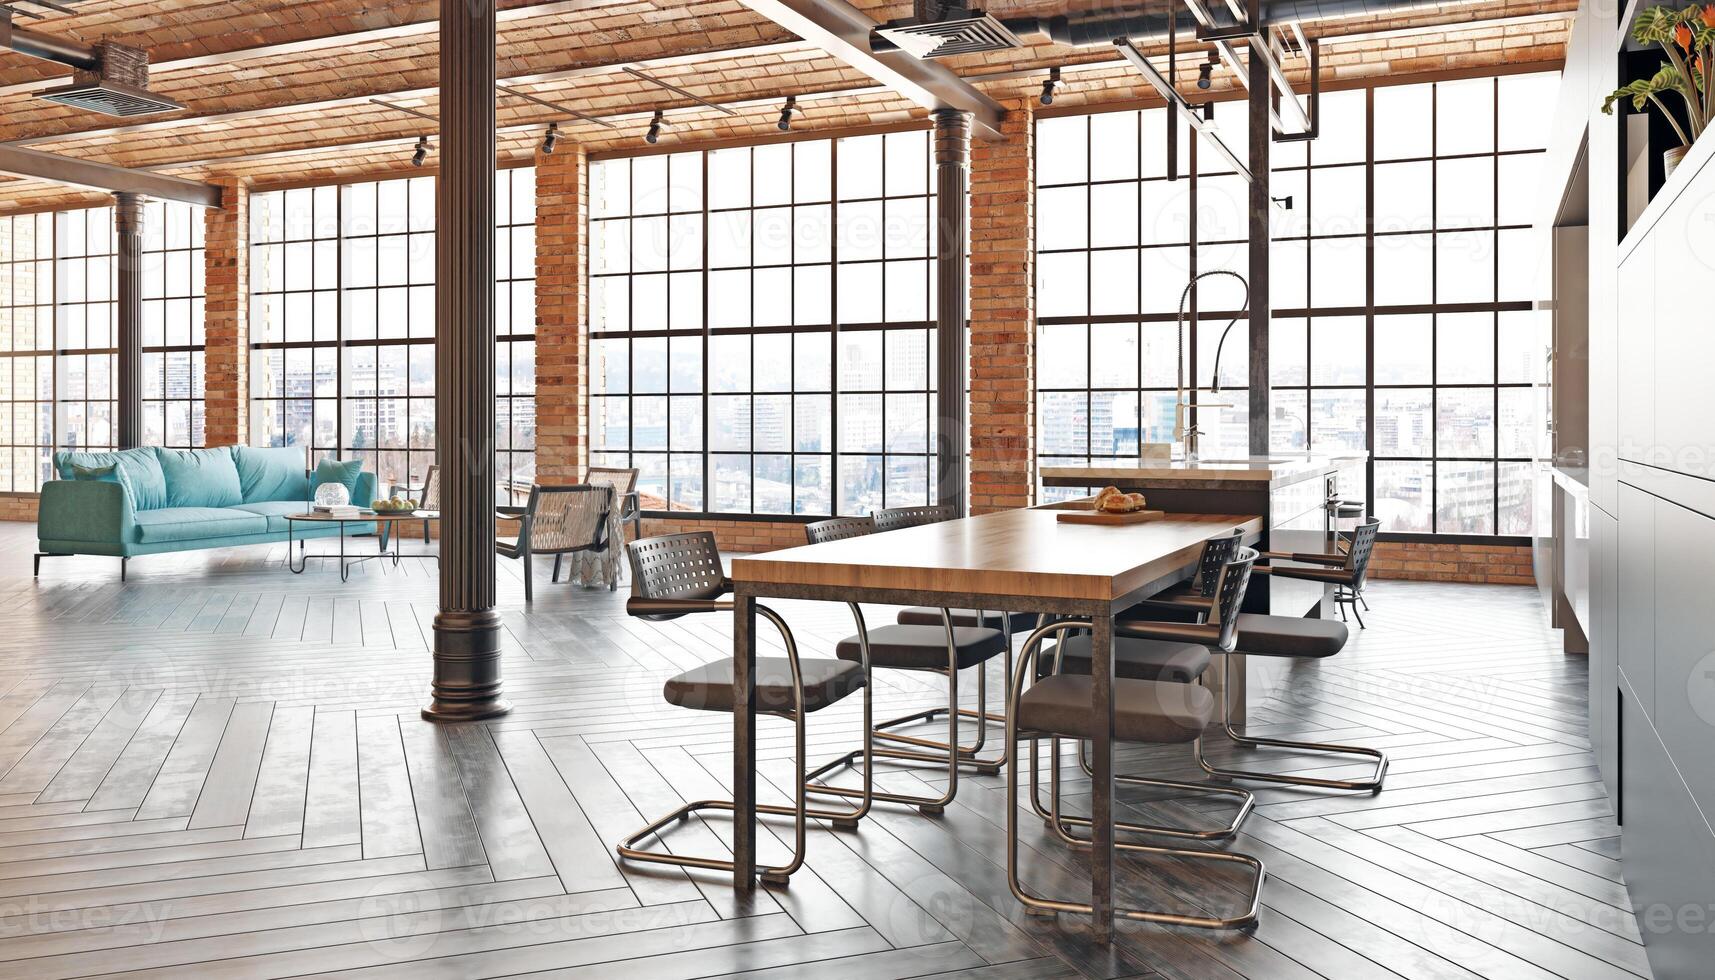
(1099, 517)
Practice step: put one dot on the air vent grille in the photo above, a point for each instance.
(111, 98)
(947, 38)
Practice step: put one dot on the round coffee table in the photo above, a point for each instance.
(385, 522)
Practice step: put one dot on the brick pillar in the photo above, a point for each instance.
(562, 373)
(1003, 316)
(226, 316)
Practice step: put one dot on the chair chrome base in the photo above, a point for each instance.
(1372, 785)
(1058, 822)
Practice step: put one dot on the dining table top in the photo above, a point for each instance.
(1023, 552)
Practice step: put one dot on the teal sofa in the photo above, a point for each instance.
(179, 500)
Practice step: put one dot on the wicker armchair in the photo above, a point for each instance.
(624, 484)
(427, 496)
(557, 521)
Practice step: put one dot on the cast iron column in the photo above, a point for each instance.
(467, 629)
(1261, 139)
(952, 303)
(128, 328)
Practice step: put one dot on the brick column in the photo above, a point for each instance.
(226, 316)
(1003, 316)
(562, 372)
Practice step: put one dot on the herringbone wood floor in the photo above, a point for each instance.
(218, 769)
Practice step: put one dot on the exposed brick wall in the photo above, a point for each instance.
(226, 317)
(1452, 562)
(18, 508)
(1003, 311)
(746, 537)
(562, 372)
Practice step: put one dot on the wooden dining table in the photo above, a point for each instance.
(1018, 561)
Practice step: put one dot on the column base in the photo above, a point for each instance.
(466, 684)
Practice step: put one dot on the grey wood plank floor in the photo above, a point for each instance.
(217, 769)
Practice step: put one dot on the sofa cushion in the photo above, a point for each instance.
(275, 473)
(201, 477)
(191, 523)
(113, 473)
(142, 467)
(274, 511)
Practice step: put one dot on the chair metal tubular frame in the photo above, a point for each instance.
(800, 811)
(1372, 785)
(1059, 822)
(1037, 905)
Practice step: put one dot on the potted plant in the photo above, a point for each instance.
(1688, 38)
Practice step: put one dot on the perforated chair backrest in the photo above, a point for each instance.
(838, 529)
(567, 518)
(623, 480)
(1230, 584)
(1363, 542)
(894, 518)
(1217, 551)
(431, 489)
(677, 566)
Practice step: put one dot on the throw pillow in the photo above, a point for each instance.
(342, 471)
(111, 473)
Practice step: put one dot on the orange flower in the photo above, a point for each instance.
(1682, 34)
(1709, 15)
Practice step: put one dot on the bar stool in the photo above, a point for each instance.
(675, 575)
(1148, 711)
(943, 649)
(1346, 571)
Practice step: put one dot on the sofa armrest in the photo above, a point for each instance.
(85, 510)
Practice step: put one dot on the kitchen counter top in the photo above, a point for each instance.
(1277, 469)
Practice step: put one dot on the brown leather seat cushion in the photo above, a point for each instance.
(924, 647)
(1289, 636)
(931, 616)
(709, 687)
(1144, 711)
(1311, 573)
(1138, 659)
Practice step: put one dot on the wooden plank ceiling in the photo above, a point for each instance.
(279, 91)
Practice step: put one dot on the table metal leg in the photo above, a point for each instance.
(1102, 783)
(744, 743)
(303, 559)
(344, 569)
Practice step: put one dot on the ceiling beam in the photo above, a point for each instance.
(332, 42)
(320, 105)
(106, 177)
(843, 31)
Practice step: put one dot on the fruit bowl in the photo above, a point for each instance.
(393, 506)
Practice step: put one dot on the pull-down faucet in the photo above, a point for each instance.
(1183, 405)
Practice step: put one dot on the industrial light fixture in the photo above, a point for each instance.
(1048, 87)
(1205, 72)
(654, 135)
(785, 123)
(422, 152)
(549, 138)
(1283, 203)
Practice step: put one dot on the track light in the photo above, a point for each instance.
(654, 135)
(549, 138)
(785, 123)
(1205, 72)
(1050, 85)
(422, 153)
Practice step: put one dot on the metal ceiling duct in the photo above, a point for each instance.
(1100, 29)
(108, 77)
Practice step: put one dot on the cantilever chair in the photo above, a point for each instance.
(1346, 571)
(556, 521)
(1057, 706)
(943, 649)
(676, 575)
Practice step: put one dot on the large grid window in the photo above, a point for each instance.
(761, 325)
(343, 324)
(1401, 289)
(57, 337)
(26, 350)
(173, 267)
